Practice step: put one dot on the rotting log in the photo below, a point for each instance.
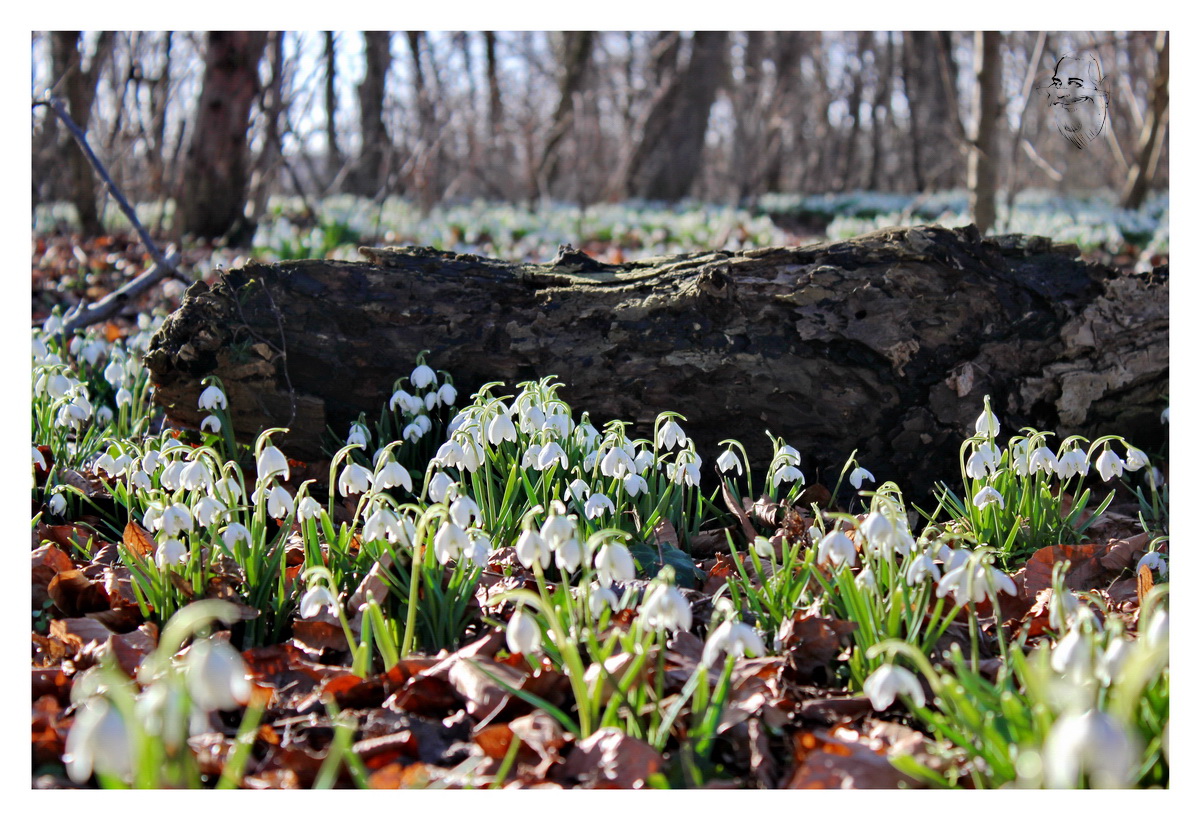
(886, 343)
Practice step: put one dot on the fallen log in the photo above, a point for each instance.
(886, 343)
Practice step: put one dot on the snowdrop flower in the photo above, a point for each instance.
(501, 429)
(670, 435)
(228, 490)
(272, 462)
(464, 511)
(104, 415)
(411, 433)
(988, 495)
(1091, 745)
(1153, 560)
(1072, 463)
(450, 542)
(865, 580)
(216, 676)
(1165, 416)
(196, 476)
(422, 376)
(1135, 459)
(922, 568)
(596, 504)
(1072, 655)
(234, 533)
(837, 547)
(431, 400)
(171, 551)
(532, 549)
(1109, 465)
(1158, 633)
(523, 634)
(560, 423)
(617, 462)
(602, 598)
(788, 455)
(354, 478)
(358, 435)
(858, 475)
(788, 473)
(733, 638)
(212, 398)
(1020, 457)
(977, 464)
(447, 394)
(114, 374)
(99, 741)
(105, 463)
(450, 454)
(878, 530)
(685, 470)
(279, 503)
(375, 528)
(124, 397)
(210, 423)
(971, 581)
(175, 518)
(728, 461)
(1064, 608)
(422, 422)
(889, 681)
(987, 424)
(1113, 660)
(58, 504)
(642, 461)
(308, 508)
(666, 609)
(586, 435)
(480, 548)
(568, 555)
(150, 461)
(635, 484)
(140, 480)
(57, 385)
(614, 563)
(1043, 459)
(405, 402)
(317, 598)
(550, 454)
(578, 489)
(392, 474)
(207, 511)
(763, 548)
(441, 487)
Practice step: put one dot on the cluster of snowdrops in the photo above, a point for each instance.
(432, 495)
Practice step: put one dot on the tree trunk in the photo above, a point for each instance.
(886, 343)
(576, 54)
(271, 155)
(667, 159)
(79, 88)
(370, 172)
(333, 154)
(881, 110)
(214, 198)
(981, 164)
(1153, 130)
(495, 109)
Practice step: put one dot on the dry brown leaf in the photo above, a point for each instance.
(608, 757)
(138, 540)
(841, 760)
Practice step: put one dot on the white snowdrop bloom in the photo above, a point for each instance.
(642, 461)
(105, 463)
(523, 634)
(568, 555)
(550, 454)
(308, 508)
(375, 528)
(441, 486)
(1153, 560)
(788, 455)
(57, 385)
(532, 419)
(170, 551)
(140, 480)
(670, 435)
(210, 423)
(104, 415)
(207, 511)
(354, 478)
(586, 436)
(837, 547)
(734, 638)
(422, 377)
(1043, 459)
(1165, 416)
(228, 490)
(578, 489)
(98, 741)
(617, 462)
(473, 455)
(890, 681)
(216, 676)
(858, 475)
(465, 512)
(635, 484)
(358, 435)
(431, 400)
(1072, 463)
(1112, 662)
(279, 503)
(666, 609)
(196, 476)
(788, 473)
(878, 530)
(977, 465)
(422, 422)
(175, 519)
(1109, 465)
(501, 429)
(763, 548)
(922, 568)
(558, 527)
(1072, 655)
(560, 423)
(114, 374)
(392, 474)
(600, 599)
(272, 462)
(987, 495)
(316, 599)
(449, 455)
(124, 397)
(1158, 633)
(212, 398)
(532, 549)
(729, 461)
(1092, 745)
(1135, 459)
(865, 580)
(987, 425)
(685, 470)
(447, 394)
(411, 433)
(597, 504)
(481, 548)
(450, 542)
(58, 504)
(614, 563)
(150, 461)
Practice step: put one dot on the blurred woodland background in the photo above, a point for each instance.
(212, 124)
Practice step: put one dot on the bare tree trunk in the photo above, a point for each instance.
(273, 108)
(369, 175)
(913, 95)
(828, 345)
(881, 110)
(333, 154)
(214, 198)
(576, 54)
(1153, 131)
(160, 94)
(667, 159)
(495, 110)
(849, 172)
(1035, 60)
(981, 163)
(79, 87)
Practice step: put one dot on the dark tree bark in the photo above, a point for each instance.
(79, 88)
(495, 110)
(160, 94)
(668, 156)
(981, 164)
(217, 169)
(271, 155)
(370, 170)
(1153, 131)
(333, 154)
(881, 110)
(576, 54)
(854, 103)
(886, 343)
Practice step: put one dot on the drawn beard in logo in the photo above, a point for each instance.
(1078, 104)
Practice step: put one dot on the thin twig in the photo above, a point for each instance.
(83, 314)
